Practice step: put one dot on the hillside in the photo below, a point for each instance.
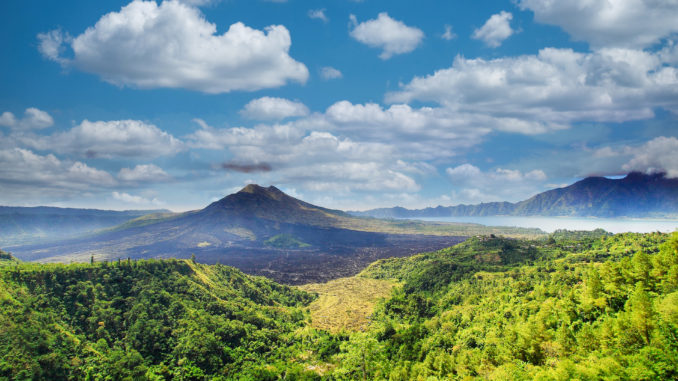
(563, 308)
(21, 225)
(263, 231)
(584, 305)
(636, 195)
(145, 320)
(7, 258)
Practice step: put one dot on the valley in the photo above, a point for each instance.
(569, 305)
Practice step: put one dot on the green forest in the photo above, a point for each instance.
(572, 305)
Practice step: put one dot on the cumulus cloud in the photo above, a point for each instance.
(351, 176)
(658, 155)
(107, 139)
(52, 45)
(269, 108)
(652, 156)
(474, 185)
(620, 23)
(24, 173)
(467, 173)
(495, 30)
(554, 88)
(143, 173)
(313, 159)
(136, 200)
(329, 72)
(208, 137)
(318, 14)
(423, 133)
(172, 45)
(34, 119)
(392, 36)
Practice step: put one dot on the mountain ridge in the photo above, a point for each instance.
(260, 230)
(635, 195)
(21, 225)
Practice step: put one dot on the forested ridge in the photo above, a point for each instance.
(144, 319)
(570, 306)
(585, 308)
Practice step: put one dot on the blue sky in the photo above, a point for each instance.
(346, 104)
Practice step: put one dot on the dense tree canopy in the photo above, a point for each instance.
(573, 305)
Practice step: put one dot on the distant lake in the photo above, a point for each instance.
(550, 224)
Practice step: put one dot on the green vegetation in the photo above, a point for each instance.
(7, 258)
(285, 241)
(571, 305)
(145, 320)
(596, 308)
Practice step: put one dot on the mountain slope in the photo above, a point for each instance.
(146, 320)
(21, 225)
(636, 195)
(498, 309)
(259, 230)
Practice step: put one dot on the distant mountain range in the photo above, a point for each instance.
(636, 195)
(20, 225)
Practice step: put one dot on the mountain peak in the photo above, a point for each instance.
(273, 204)
(256, 189)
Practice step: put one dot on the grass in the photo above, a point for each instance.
(285, 241)
(346, 304)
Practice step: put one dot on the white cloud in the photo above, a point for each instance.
(25, 174)
(107, 139)
(329, 72)
(495, 30)
(392, 36)
(658, 155)
(52, 45)
(136, 200)
(552, 89)
(313, 159)
(34, 119)
(619, 23)
(655, 155)
(420, 133)
(448, 34)
(349, 177)
(318, 14)
(464, 172)
(7, 119)
(172, 45)
(269, 108)
(467, 173)
(241, 137)
(473, 185)
(143, 173)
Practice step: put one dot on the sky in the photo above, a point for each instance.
(343, 103)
